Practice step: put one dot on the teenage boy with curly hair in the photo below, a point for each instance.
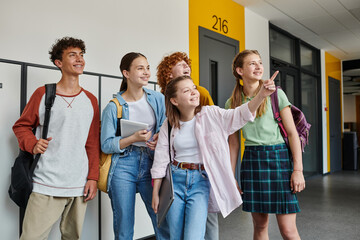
(172, 66)
(67, 172)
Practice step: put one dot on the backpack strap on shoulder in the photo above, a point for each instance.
(119, 115)
(275, 105)
(119, 107)
(276, 111)
(50, 94)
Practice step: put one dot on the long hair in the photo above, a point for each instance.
(172, 112)
(236, 98)
(125, 64)
(165, 67)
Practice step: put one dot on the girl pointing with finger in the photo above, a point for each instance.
(269, 179)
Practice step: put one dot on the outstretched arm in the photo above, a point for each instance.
(266, 90)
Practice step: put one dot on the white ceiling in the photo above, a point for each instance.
(331, 25)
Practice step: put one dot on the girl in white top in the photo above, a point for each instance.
(132, 156)
(201, 164)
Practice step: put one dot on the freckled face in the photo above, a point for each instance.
(181, 68)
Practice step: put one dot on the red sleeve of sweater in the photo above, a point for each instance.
(93, 141)
(28, 120)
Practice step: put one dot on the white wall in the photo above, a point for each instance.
(323, 113)
(110, 29)
(257, 37)
(349, 108)
(10, 109)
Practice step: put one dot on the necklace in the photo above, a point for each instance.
(69, 104)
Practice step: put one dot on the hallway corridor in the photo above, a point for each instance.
(330, 210)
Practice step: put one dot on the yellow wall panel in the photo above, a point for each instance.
(332, 69)
(202, 13)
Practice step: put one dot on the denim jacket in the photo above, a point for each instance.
(110, 143)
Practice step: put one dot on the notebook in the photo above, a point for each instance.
(129, 127)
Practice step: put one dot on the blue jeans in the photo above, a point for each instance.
(187, 215)
(132, 175)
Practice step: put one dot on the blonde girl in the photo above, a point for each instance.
(269, 177)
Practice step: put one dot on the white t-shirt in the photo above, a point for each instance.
(141, 111)
(185, 143)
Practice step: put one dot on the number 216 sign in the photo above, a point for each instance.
(220, 24)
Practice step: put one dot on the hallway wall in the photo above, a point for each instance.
(110, 29)
(349, 108)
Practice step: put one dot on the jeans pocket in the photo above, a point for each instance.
(124, 154)
(204, 175)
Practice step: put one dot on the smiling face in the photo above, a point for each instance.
(139, 72)
(72, 62)
(252, 68)
(181, 68)
(186, 95)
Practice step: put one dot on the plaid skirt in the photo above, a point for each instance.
(265, 180)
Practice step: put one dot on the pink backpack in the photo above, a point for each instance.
(302, 126)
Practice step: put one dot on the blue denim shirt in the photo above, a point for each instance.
(110, 143)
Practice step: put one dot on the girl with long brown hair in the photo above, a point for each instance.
(132, 156)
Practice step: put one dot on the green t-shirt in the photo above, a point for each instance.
(264, 130)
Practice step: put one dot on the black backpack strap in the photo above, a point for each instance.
(50, 94)
(169, 131)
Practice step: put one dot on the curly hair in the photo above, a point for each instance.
(165, 67)
(62, 44)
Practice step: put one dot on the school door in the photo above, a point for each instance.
(216, 53)
(335, 125)
(302, 91)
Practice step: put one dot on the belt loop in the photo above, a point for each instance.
(177, 165)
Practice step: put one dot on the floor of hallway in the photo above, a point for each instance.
(330, 210)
